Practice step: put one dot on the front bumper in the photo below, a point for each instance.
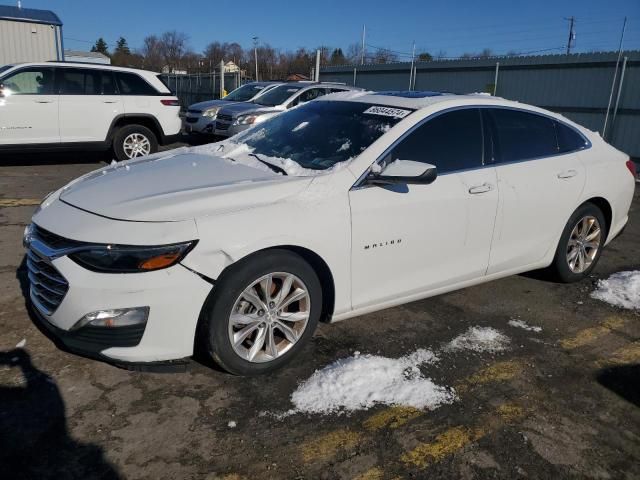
(198, 124)
(228, 130)
(174, 296)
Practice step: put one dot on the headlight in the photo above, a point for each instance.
(248, 119)
(211, 112)
(130, 259)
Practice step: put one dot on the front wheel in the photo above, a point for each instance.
(133, 141)
(581, 244)
(261, 312)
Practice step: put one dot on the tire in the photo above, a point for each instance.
(228, 296)
(148, 143)
(562, 268)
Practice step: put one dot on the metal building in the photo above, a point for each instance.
(86, 57)
(579, 86)
(29, 35)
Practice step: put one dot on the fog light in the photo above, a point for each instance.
(118, 317)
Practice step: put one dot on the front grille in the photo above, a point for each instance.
(222, 126)
(52, 240)
(47, 286)
(192, 119)
(226, 118)
(197, 112)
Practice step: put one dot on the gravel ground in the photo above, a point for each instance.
(558, 403)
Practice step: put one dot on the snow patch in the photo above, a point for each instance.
(232, 424)
(363, 381)
(517, 323)
(22, 343)
(345, 146)
(621, 289)
(479, 339)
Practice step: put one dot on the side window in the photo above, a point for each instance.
(568, 139)
(108, 83)
(311, 94)
(522, 135)
(78, 81)
(30, 81)
(132, 84)
(451, 141)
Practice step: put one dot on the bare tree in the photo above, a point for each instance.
(173, 45)
(151, 53)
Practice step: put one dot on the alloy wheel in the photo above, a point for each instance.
(584, 242)
(136, 145)
(269, 317)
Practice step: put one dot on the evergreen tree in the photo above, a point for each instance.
(122, 47)
(337, 57)
(101, 47)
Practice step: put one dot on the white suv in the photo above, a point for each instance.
(73, 105)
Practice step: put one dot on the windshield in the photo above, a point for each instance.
(244, 93)
(320, 134)
(277, 95)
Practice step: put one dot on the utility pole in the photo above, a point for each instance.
(317, 71)
(572, 34)
(364, 32)
(413, 56)
(255, 54)
(615, 76)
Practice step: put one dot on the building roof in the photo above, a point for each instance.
(79, 53)
(30, 15)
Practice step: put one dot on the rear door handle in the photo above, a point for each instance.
(568, 174)
(484, 188)
(43, 101)
(110, 101)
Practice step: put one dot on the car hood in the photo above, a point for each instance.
(202, 106)
(240, 108)
(176, 187)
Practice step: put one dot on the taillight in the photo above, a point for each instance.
(631, 165)
(170, 102)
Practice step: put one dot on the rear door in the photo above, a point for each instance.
(89, 102)
(29, 107)
(539, 184)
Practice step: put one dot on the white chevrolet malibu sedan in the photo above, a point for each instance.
(348, 204)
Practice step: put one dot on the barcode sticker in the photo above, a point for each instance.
(388, 111)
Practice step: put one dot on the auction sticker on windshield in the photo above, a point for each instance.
(387, 111)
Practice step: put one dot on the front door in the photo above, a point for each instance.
(410, 239)
(29, 107)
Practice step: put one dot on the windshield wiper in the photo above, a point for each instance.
(273, 167)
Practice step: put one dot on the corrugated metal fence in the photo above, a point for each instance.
(578, 86)
(199, 87)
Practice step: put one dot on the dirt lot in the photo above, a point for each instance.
(561, 403)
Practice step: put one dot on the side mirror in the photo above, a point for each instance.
(404, 172)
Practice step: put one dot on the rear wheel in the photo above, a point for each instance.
(261, 312)
(133, 141)
(581, 244)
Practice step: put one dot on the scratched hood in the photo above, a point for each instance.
(177, 187)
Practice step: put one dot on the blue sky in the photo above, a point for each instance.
(452, 27)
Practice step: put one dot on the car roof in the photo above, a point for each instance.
(419, 99)
(83, 65)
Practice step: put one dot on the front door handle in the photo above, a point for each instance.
(43, 101)
(484, 188)
(110, 101)
(568, 174)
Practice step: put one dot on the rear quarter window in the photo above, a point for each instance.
(568, 139)
(132, 84)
